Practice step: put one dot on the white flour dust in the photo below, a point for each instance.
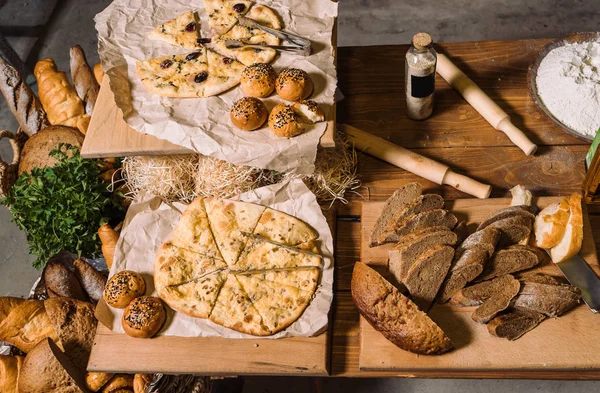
(568, 82)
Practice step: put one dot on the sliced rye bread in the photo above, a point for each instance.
(430, 218)
(507, 212)
(422, 204)
(514, 229)
(514, 324)
(425, 276)
(550, 300)
(402, 257)
(394, 315)
(540, 278)
(462, 231)
(497, 303)
(486, 238)
(467, 265)
(510, 260)
(475, 295)
(392, 210)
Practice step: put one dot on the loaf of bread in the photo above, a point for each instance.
(109, 237)
(512, 259)
(26, 325)
(7, 304)
(98, 73)
(83, 78)
(551, 223)
(9, 373)
(141, 382)
(572, 239)
(21, 100)
(61, 281)
(92, 280)
(120, 383)
(95, 381)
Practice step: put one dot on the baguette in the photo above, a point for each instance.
(21, 100)
(26, 325)
(85, 84)
(62, 281)
(92, 280)
(98, 73)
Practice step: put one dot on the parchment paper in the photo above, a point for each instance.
(149, 222)
(202, 124)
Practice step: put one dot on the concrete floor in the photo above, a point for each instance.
(60, 24)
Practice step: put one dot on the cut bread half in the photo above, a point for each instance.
(551, 223)
(570, 243)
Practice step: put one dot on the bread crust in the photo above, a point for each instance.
(35, 152)
(258, 80)
(248, 113)
(294, 84)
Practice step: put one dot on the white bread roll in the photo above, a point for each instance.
(570, 244)
(551, 223)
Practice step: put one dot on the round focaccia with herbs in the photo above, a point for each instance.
(244, 266)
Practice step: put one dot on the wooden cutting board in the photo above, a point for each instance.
(567, 343)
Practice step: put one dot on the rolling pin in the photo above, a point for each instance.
(413, 162)
(483, 103)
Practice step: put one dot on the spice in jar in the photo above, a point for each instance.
(421, 60)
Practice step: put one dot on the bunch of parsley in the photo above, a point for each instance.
(61, 207)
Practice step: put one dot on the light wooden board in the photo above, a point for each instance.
(566, 343)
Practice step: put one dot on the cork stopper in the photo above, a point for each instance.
(421, 40)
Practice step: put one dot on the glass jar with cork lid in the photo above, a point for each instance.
(420, 64)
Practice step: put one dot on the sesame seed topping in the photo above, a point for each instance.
(291, 74)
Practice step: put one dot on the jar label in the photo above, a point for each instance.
(422, 86)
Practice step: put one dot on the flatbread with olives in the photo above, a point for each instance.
(181, 31)
(223, 14)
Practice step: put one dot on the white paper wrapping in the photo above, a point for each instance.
(149, 222)
(202, 124)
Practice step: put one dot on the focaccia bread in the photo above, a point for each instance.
(181, 31)
(223, 14)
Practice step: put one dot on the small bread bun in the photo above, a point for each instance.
(118, 384)
(258, 80)
(144, 317)
(248, 113)
(309, 111)
(123, 287)
(283, 121)
(141, 382)
(293, 84)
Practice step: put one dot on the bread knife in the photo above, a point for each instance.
(581, 275)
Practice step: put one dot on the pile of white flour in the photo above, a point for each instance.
(568, 82)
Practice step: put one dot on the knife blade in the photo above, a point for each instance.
(581, 275)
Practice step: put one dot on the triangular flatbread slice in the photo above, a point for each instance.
(264, 16)
(283, 228)
(223, 14)
(193, 231)
(260, 254)
(182, 31)
(223, 74)
(303, 279)
(196, 298)
(234, 310)
(279, 305)
(174, 265)
(229, 220)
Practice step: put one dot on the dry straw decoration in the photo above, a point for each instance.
(185, 177)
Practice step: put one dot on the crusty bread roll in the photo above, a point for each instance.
(141, 382)
(9, 373)
(293, 84)
(309, 111)
(551, 223)
(283, 121)
(144, 317)
(98, 73)
(7, 304)
(118, 384)
(570, 244)
(123, 287)
(94, 381)
(62, 281)
(248, 113)
(26, 325)
(258, 80)
(86, 86)
(92, 280)
(109, 237)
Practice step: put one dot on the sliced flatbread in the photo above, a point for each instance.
(223, 74)
(193, 231)
(181, 31)
(303, 279)
(229, 220)
(174, 265)
(260, 254)
(283, 228)
(279, 305)
(196, 298)
(234, 310)
(223, 14)
(264, 16)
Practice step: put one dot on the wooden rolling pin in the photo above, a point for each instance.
(483, 103)
(413, 162)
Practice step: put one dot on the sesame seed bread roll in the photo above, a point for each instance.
(309, 111)
(144, 317)
(248, 113)
(123, 287)
(258, 80)
(283, 121)
(293, 84)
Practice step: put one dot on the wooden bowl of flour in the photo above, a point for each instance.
(578, 38)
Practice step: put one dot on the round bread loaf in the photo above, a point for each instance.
(36, 151)
(144, 317)
(283, 121)
(258, 80)
(248, 113)
(309, 111)
(123, 287)
(293, 84)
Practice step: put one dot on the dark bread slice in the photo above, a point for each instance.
(467, 265)
(497, 303)
(550, 300)
(540, 278)
(392, 209)
(507, 212)
(394, 315)
(514, 229)
(509, 260)
(486, 238)
(462, 231)
(475, 295)
(406, 253)
(421, 204)
(430, 218)
(514, 324)
(426, 275)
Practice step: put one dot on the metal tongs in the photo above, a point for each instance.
(299, 45)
